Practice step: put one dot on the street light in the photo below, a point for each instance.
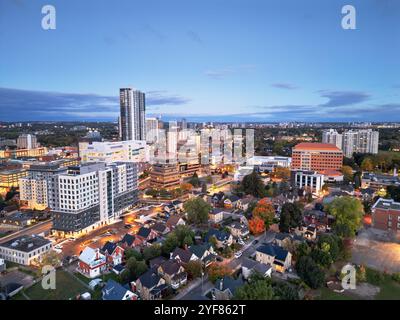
(202, 275)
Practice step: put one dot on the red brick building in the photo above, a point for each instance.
(317, 157)
(386, 215)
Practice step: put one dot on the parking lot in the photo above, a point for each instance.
(372, 252)
(16, 277)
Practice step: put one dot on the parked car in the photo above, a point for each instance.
(255, 241)
(238, 254)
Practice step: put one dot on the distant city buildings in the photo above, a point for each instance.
(353, 141)
(132, 114)
(27, 141)
(152, 130)
(317, 157)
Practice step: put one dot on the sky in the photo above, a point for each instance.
(205, 60)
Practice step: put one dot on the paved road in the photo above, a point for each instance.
(36, 229)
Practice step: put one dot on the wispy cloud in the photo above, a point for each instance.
(229, 71)
(16, 104)
(195, 37)
(283, 85)
(343, 98)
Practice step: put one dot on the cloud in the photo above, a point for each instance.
(195, 37)
(29, 105)
(281, 85)
(343, 98)
(228, 71)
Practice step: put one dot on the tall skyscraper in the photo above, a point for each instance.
(132, 118)
(331, 136)
(152, 131)
(27, 141)
(360, 141)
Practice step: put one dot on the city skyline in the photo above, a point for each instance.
(263, 61)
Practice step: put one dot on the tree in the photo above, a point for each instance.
(151, 252)
(170, 243)
(50, 258)
(204, 188)
(255, 290)
(348, 213)
(252, 184)
(184, 235)
(347, 173)
(281, 173)
(285, 291)
(367, 165)
(265, 211)
(310, 272)
(331, 244)
(357, 180)
(129, 253)
(133, 270)
(194, 180)
(256, 225)
(186, 187)
(197, 210)
(291, 217)
(393, 192)
(218, 271)
(194, 269)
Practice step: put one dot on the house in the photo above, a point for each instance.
(115, 291)
(283, 239)
(183, 255)
(113, 252)
(223, 238)
(130, 241)
(178, 205)
(309, 233)
(250, 266)
(173, 273)
(174, 221)
(169, 208)
(204, 252)
(225, 288)
(231, 201)
(238, 230)
(160, 228)
(150, 286)
(118, 269)
(279, 258)
(156, 262)
(243, 204)
(216, 215)
(147, 234)
(217, 199)
(94, 283)
(92, 262)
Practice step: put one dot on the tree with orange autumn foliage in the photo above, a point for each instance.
(256, 225)
(218, 271)
(186, 187)
(265, 211)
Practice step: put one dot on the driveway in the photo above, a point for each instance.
(376, 254)
(16, 277)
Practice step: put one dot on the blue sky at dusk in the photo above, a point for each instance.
(206, 60)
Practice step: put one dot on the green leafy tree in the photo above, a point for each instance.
(129, 253)
(310, 272)
(252, 184)
(151, 252)
(347, 173)
(348, 213)
(194, 180)
(255, 290)
(291, 217)
(367, 165)
(194, 269)
(285, 291)
(197, 210)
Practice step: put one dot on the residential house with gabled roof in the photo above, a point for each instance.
(174, 221)
(216, 215)
(156, 262)
(130, 241)
(150, 286)
(160, 228)
(225, 288)
(147, 234)
(238, 230)
(204, 252)
(173, 273)
(279, 258)
(250, 267)
(115, 291)
(244, 203)
(92, 262)
(113, 252)
(231, 201)
(183, 255)
(223, 239)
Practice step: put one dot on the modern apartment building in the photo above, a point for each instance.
(91, 195)
(27, 141)
(331, 136)
(386, 215)
(132, 114)
(353, 141)
(317, 157)
(360, 141)
(152, 130)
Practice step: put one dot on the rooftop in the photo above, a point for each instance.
(316, 146)
(26, 243)
(387, 204)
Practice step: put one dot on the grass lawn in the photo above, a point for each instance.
(66, 287)
(390, 290)
(327, 294)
